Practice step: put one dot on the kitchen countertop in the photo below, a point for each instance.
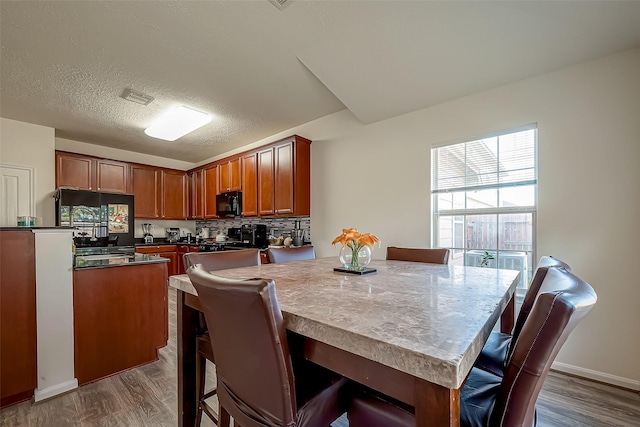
(112, 257)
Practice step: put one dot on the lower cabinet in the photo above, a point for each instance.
(18, 378)
(169, 252)
(183, 249)
(120, 318)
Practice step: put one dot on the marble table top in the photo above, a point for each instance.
(427, 320)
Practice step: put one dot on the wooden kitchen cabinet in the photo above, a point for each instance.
(195, 181)
(229, 175)
(91, 173)
(183, 249)
(112, 176)
(120, 318)
(210, 191)
(174, 194)
(146, 189)
(169, 252)
(159, 193)
(284, 178)
(74, 170)
(266, 182)
(250, 185)
(18, 366)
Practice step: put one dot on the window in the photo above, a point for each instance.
(484, 199)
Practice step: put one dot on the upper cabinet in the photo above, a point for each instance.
(91, 173)
(230, 178)
(284, 178)
(249, 185)
(266, 182)
(210, 189)
(174, 194)
(159, 193)
(195, 182)
(146, 188)
(112, 176)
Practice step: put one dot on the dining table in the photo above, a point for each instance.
(409, 330)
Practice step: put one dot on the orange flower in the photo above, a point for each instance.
(352, 238)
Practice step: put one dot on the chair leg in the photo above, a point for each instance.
(201, 367)
(201, 396)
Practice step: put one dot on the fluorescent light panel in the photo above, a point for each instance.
(177, 123)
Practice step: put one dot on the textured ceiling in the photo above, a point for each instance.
(259, 70)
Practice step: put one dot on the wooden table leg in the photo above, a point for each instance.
(507, 319)
(187, 327)
(436, 405)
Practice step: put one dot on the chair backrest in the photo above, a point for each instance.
(253, 365)
(535, 288)
(433, 256)
(554, 315)
(212, 261)
(279, 255)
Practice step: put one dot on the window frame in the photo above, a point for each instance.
(437, 214)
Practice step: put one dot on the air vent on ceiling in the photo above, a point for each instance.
(137, 97)
(281, 4)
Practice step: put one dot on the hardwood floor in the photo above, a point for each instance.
(147, 396)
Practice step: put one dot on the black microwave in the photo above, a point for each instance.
(229, 205)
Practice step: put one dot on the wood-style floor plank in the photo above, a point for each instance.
(147, 396)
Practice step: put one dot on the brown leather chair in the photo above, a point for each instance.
(212, 261)
(432, 256)
(491, 400)
(496, 351)
(258, 385)
(280, 255)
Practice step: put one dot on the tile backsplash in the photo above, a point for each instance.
(275, 226)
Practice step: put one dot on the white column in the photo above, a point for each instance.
(54, 312)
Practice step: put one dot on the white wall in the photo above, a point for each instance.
(376, 178)
(28, 145)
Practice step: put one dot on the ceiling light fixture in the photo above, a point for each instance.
(177, 123)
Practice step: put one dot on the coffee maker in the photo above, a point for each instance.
(254, 235)
(172, 234)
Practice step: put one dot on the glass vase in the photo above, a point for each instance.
(356, 258)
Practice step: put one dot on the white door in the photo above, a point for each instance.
(16, 194)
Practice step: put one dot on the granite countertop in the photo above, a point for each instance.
(428, 320)
(112, 257)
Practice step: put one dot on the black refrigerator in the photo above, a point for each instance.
(99, 219)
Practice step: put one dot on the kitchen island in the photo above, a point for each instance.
(120, 311)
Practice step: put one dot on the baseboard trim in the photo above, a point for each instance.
(597, 376)
(55, 390)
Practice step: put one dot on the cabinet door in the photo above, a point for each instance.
(196, 194)
(266, 182)
(74, 171)
(112, 176)
(224, 181)
(250, 185)
(210, 191)
(229, 177)
(18, 376)
(174, 194)
(172, 266)
(284, 179)
(146, 186)
(235, 174)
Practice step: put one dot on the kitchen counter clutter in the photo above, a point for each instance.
(112, 257)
